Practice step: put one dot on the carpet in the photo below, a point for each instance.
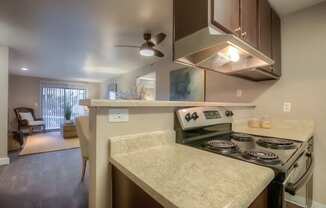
(48, 142)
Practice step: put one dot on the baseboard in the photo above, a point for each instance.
(300, 201)
(4, 161)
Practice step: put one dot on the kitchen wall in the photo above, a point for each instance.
(224, 88)
(4, 51)
(25, 92)
(303, 81)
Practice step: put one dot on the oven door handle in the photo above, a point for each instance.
(292, 188)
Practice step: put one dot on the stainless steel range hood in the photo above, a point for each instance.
(224, 53)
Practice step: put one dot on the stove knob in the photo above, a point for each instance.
(229, 113)
(194, 116)
(188, 117)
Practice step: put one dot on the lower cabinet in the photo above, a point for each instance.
(261, 201)
(126, 194)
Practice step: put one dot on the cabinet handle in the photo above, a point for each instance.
(244, 35)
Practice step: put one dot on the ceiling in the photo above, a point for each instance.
(284, 7)
(75, 40)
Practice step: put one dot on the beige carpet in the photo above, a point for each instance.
(48, 142)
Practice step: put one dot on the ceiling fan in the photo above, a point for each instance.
(148, 48)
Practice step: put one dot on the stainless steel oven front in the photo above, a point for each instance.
(298, 186)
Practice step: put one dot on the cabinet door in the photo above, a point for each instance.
(261, 201)
(265, 27)
(276, 43)
(127, 194)
(249, 21)
(226, 15)
(189, 17)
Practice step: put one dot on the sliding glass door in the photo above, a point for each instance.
(54, 102)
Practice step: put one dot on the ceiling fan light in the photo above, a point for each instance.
(146, 52)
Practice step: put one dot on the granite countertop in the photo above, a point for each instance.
(300, 130)
(180, 176)
(144, 103)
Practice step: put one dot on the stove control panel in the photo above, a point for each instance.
(191, 118)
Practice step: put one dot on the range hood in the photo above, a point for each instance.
(224, 53)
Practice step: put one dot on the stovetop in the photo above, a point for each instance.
(265, 151)
(210, 129)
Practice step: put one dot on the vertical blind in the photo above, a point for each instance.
(54, 101)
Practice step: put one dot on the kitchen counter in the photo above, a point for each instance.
(287, 129)
(143, 103)
(180, 176)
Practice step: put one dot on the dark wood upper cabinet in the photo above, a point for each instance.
(226, 15)
(249, 20)
(189, 17)
(276, 44)
(265, 27)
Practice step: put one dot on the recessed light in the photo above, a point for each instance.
(24, 69)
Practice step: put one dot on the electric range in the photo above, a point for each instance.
(210, 129)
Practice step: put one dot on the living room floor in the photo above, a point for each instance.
(44, 180)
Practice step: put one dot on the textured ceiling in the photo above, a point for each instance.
(284, 7)
(74, 39)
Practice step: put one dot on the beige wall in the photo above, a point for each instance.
(224, 88)
(25, 92)
(3, 104)
(304, 81)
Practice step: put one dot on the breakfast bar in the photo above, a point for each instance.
(110, 119)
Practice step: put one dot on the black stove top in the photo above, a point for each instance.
(266, 151)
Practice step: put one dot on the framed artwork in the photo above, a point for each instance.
(187, 84)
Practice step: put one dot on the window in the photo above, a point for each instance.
(55, 99)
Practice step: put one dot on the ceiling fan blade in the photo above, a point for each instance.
(126, 46)
(157, 39)
(158, 53)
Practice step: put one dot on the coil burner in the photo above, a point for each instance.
(262, 156)
(222, 146)
(242, 137)
(274, 143)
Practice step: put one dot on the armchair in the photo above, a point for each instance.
(26, 119)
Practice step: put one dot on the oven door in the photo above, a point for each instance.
(299, 184)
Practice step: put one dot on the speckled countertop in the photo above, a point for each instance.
(180, 176)
(300, 130)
